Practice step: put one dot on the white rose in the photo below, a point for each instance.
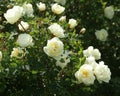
(72, 23)
(17, 52)
(56, 30)
(14, 14)
(54, 47)
(90, 51)
(0, 55)
(101, 35)
(91, 61)
(57, 9)
(23, 26)
(62, 19)
(109, 12)
(96, 54)
(102, 72)
(85, 75)
(61, 1)
(28, 10)
(41, 6)
(25, 40)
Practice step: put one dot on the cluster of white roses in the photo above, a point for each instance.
(55, 47)
(14, 14)
(24, 40)
(103, 34)
(91, 69)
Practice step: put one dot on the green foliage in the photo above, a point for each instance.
(36, 74)
(91, 15)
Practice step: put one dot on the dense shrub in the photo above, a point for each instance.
(33, 72)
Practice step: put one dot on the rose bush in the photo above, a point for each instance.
(92, 17)
(45, 52)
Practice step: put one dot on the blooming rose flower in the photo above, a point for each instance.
(101, 35)
(85, 75)
(17, 52)
(91, 61)
(72, 23)
(14, 14)
(56, 30)
(25, 40)
(109, 12)
(62, 19)
(96, 54)
(102, 72)
(0, 55)
(61, 1)
(88, 51)
(57, 9)
(41, 6)
(54, 47)
(23, 26)
(28, 10)
(92, 52)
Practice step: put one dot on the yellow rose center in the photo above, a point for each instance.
(16, 52)
(54, 46)
(85, 73)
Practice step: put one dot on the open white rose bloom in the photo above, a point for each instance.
(14, 14)
(90, 51)
(102, 72)
(17, 53)
(72, 23)
(101, 35)
(85, 75)
(57, 9)
(25, 40)
(56, 30)
(54, 47)
(41, 6)
(28, 10)
(109, 12)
